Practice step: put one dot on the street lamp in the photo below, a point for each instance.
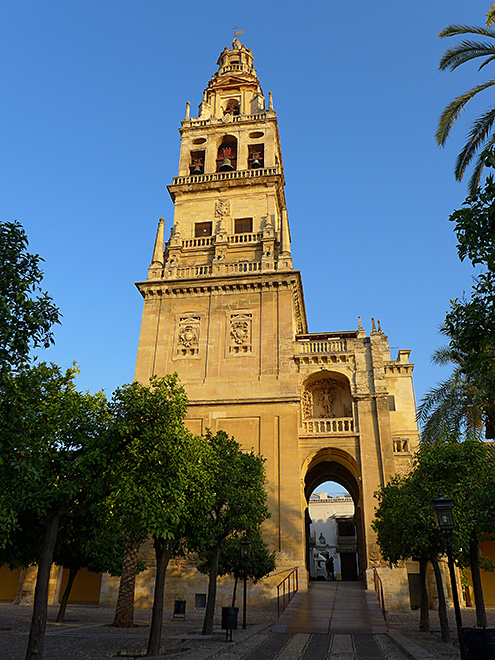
(443, 508)
(245, 550)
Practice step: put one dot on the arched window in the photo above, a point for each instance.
(232, 107)
(227, 154)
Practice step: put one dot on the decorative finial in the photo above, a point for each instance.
(188, 110)
(379, 326)
(270, 101)
(158, 247)
(373, 327)
(360, 326)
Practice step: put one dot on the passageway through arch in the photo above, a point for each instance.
(334, 521)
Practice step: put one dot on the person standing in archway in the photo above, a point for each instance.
(329, 565)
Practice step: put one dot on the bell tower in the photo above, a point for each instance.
(222, 302)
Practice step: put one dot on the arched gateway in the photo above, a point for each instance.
(224, 308)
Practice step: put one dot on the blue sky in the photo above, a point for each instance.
(93, 95)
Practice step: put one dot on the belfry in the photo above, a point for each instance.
(224, 307)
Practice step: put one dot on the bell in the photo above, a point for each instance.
(255, 164)
(197, 170)
(226, 165)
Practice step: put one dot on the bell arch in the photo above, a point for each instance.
(227, 154)
(334, 464)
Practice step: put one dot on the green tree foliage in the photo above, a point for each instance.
(256, 566)
(406, 528)
(481, 138)
(470, 323)
(158, 483)
(236, 482)
(52, 458)
(463, 471)
(27, 313)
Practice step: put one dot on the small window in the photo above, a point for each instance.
(391, 402)
(202, 229)
(200, 601)
(197, 165)
(256, 156)
(243, 225)
(401, 445)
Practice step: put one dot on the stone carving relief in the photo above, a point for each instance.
(326, 398)
(222, 208)
(307, 404)
(240, 334)
(188, 336)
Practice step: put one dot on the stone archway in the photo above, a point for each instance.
(333, 464)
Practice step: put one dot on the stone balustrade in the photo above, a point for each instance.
(197, 242)
(328, 425)
(243, 267)
(245, 238)
(222, 268)
(329, 345)
(225, 176)
(226, 119)
(184, 272)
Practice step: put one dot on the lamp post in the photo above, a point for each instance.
(443, 508)
(245, 550)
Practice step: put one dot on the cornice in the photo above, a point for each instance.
(399, 368)
(253, 401)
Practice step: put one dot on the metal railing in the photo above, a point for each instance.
(285, 591)
(379, 592)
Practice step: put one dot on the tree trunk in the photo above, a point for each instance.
(40, 607)
(124, 612)
(234, 590)
(20, 587)
(477, 588)
(65, 598)
(163, 552)
(442, 606)
(424, 614)
(212, 592)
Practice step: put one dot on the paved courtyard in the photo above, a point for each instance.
(332, 621)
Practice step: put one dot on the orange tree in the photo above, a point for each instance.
(53, 455)
(159, 484)
(236, 504)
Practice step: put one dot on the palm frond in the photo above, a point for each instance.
(442, 356)
(435, 396)
(475, 178)
(464, 52)
(477, 137)
(487, 61)
(454, 109)
(451, 409)
(456, 30)
(490, 16)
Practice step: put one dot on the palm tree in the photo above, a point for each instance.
(481, 138)
(453, 407)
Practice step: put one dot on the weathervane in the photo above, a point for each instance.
(237, 32)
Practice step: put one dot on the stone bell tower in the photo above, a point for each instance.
(222, 303)
(224, 308)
